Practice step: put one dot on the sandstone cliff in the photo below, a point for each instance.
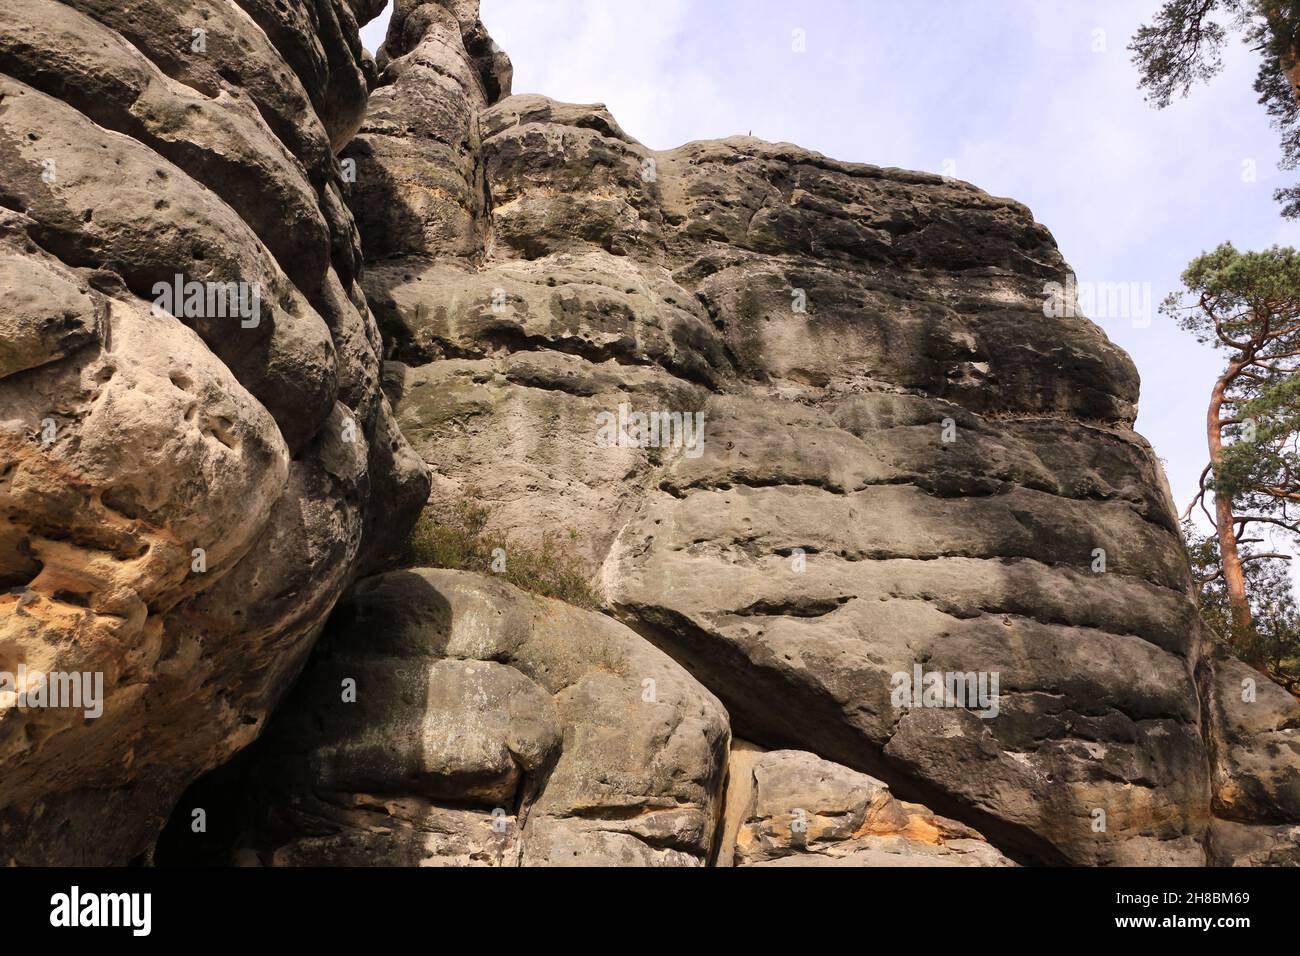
(533, 266)
(905, 466)
(181, 499)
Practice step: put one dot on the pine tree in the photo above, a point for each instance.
(1184, 46)
(1248, 305)
(1275, 638)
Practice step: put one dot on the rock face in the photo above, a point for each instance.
(450, 719)
(914, 455)
(488, 727)
(1254, 737)
(855, 480)
(186, 486)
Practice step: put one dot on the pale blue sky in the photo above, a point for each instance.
(1033, 99)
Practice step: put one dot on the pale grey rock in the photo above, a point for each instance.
(490, 725)
(48, 314)
(906, 459)
(1239, 844)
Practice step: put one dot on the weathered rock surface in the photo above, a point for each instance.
(1254, 741)
(490, 727)
(791, 808)
(906, 461)
(1239, 844)
(879, 457)
(181, 499)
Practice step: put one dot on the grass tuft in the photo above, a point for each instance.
(457, 539)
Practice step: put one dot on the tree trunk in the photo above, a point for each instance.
(1279, 23)
(1234, 576)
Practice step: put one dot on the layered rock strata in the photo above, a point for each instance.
(853, 476)
(913, 454)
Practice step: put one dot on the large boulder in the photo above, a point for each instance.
(1241, 844)
(916, 454)
(448, 718)
(186, 485)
